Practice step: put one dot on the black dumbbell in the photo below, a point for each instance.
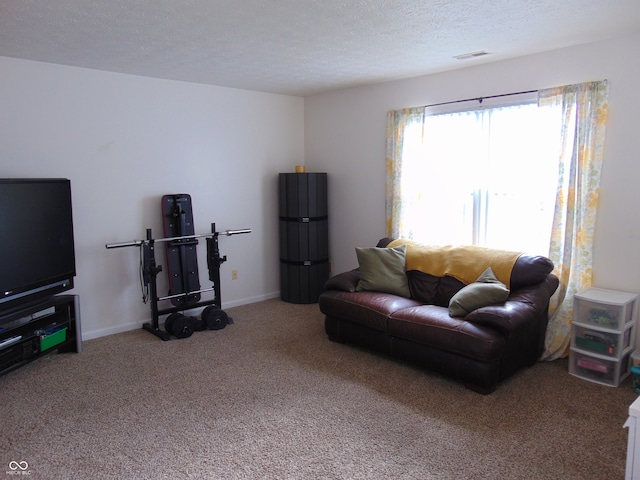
(214, 318)
(180, 325)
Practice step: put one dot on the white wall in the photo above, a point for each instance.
(124, 141)
(345, 136)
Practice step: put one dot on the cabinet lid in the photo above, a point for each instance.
(607, 296)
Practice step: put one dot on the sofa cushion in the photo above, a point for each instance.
(370, 309)
(431, 325)
(486, 290)
(447, 288)
(383, 270)
(423, 286)
(432, 290)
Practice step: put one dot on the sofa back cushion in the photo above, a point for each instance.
(432, 290)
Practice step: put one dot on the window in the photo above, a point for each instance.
(485, 177)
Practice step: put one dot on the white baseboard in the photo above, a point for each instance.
(248, 300)
(103, 332)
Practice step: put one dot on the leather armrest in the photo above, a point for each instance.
(346, 281)
(521, 307)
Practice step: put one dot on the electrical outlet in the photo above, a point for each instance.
(234, 274)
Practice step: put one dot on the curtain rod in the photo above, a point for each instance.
(479, 99)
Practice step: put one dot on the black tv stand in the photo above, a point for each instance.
(39, 329)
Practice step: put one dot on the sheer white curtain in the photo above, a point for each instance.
(477, 177)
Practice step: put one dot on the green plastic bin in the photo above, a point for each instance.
(53, 339)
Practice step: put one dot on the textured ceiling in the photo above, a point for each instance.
(299, 47)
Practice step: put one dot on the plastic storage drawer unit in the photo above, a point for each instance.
(603, 335)
(601, 342)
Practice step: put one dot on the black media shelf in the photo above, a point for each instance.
(39, 329)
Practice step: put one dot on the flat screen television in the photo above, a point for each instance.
(37, 253)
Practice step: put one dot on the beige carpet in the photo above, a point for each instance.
(269, 397)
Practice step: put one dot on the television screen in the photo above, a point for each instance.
(37, 254)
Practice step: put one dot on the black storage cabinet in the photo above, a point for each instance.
(304, 236)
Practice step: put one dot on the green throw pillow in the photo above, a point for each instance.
(383, 270)
(486, 290)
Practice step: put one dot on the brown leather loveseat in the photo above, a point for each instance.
(479, 340)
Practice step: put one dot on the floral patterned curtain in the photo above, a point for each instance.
(397, 122)
(584, 109)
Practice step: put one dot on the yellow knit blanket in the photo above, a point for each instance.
(464, 262)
